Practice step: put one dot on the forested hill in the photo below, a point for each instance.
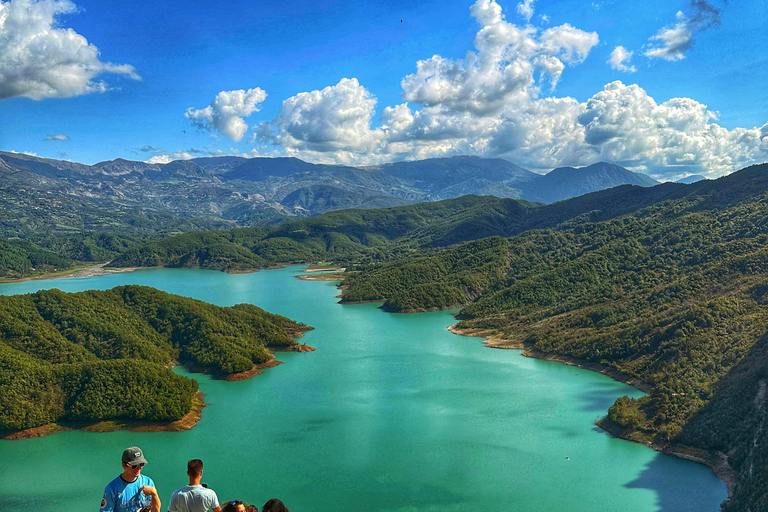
(103, 355)
(674, 294)
(354, 236)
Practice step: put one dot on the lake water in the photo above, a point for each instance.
(391, 413)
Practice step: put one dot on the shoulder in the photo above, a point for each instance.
(145, 480)
(113, 485)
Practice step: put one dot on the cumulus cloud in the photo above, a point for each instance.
(525, 9)
(56, 137)
(159, 159)
(226, 112)
(40, 60)
(149, 149)
(503, 69)
(623, 123)
(166, 159)
(671, 43)
(620, 58)
(335, 118)
(490, 104)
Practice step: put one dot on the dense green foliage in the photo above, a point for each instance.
(20, 258)
(45, 254)
(345, 236)
(99, 355)
(352, 237)
(447, 279)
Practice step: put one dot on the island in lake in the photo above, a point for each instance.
(74, 359)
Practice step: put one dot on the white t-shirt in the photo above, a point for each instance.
(193, 498)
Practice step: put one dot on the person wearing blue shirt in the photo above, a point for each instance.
(131, 491)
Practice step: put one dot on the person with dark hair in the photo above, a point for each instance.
(238, 506)
(194, 497)
(131, 491)
(274, 505)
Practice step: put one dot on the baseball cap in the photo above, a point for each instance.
(133, 455)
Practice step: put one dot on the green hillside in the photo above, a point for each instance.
(673, 294)
(360, 236)
(100, 355)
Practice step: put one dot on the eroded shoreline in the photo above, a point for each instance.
(98, 269)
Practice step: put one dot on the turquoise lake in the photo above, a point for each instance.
(391, 413)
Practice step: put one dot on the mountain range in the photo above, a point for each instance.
(127, 196)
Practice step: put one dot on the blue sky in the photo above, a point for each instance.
(157, 60)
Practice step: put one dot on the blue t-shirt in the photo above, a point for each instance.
(122, 496)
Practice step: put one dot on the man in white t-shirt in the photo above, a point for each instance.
(194, 497)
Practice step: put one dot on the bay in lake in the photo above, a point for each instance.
(391, 413)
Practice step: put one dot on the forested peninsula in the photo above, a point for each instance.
(667, 285)
(77, 358)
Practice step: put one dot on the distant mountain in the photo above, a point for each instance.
(566, 182)
(259, 169)
(324, 198)
(693, 178)
(443, 178)
(232, 190)
(120, 166)
(219, 163)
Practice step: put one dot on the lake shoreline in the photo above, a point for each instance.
(91, 270)
(716, 462)
(189, 420)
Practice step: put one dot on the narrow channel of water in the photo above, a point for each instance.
(391, 413)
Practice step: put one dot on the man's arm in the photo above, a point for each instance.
(215, 505)
(148, 490)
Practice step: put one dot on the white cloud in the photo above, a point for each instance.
(226, 112)
(671, 43)
(503, 68)
(620, 58)
(159, 159)
(525, 9)
(674, 41)
(623, 123)
(166, 159)
(569, 44)
(40, 60)
(336, 118)
(56, 137)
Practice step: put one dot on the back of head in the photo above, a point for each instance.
(274, 505)
(234, 506)
(195, 467)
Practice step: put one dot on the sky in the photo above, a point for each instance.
(669, 88)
